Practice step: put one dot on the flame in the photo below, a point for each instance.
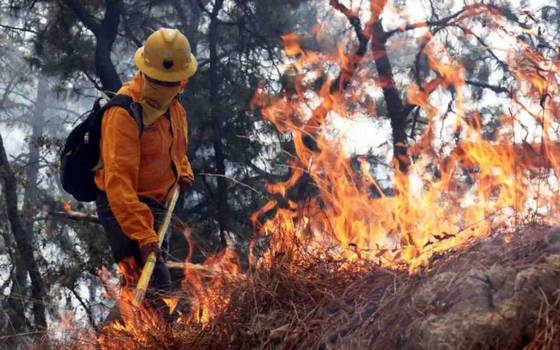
(291, 44)
(137, 323)
(209, 284)
(454, 191)
(171, 303)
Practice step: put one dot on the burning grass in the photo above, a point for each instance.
(499, 292)
(302, 307)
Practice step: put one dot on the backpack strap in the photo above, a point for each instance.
(134, 109)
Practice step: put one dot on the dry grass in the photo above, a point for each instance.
(324, 305)
(285, 307)
(547, 329)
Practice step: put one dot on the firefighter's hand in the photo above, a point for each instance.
(146, 249)
(185, 182)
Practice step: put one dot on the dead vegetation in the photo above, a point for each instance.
(499, 293)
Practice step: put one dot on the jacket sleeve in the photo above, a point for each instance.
(121, 160)
(186, 169)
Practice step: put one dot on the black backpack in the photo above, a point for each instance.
(80, 157)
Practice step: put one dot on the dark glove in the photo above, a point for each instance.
(185, 182)
(146, 249)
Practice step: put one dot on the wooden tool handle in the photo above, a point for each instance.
(148, 269)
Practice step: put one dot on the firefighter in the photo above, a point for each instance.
(140, 169)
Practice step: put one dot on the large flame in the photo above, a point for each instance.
(454, 191)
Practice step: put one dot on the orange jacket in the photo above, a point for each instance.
(136, 167)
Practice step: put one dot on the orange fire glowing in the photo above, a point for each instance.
(210, 284)
(453, 192)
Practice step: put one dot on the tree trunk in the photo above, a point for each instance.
(104, 66)
(105, 34)
(15, 303)
(30, 195)
(16, 300)
(33, 162)
(397, 113)
(219, 156)
(23, 238)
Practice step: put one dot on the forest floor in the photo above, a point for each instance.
(500, 292)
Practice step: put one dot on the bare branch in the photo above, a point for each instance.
(503, 64)
(233, 180)
(18, 29)
(74, 216)
(86, 308)
(497, 89)
(442, 22)
(346, 73)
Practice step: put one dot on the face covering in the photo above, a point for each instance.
(156, 99)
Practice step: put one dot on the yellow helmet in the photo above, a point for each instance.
(166, 56)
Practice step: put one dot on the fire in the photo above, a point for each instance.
(206, 288)
(68, 207)
(209, 285)
(451, 193)
(134, 321)
(171, 303)
(291, 44)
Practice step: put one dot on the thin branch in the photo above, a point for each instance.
(74, 216)
(20, 95)
(496, 88)
(414, 122)
(233, 180)
(442, 22)
(420, 54)
(86, 308)
(204, 62)
(64, 109)
(408, 108)
(203, 8)
(346, 73)
(6, 93)
(93, 81)
(6, 337)
(10, 275)
(504, 65)
(128, 32)
(234, 24)
(18, 29)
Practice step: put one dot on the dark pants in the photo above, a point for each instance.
(126, 251)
